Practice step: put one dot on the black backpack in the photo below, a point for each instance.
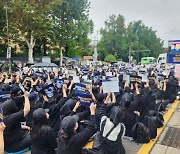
(141, 134)
(159, 118)
(151, 123)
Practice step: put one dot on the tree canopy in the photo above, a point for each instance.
(72, 26)
(117, 39)
(54, 22)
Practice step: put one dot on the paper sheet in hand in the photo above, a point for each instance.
(112, 86)
(66, 71)
(85, 77)
(76, 79)
(126, 78)
(18, 73)
(72, 72)
(144, 77)
(165, 72)
(114, 79)
(26, 69)
(108, 73)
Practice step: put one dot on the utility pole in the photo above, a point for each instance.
(61, 56)
(7, 28)
(130, 54)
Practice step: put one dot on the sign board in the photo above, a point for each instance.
(174, 45)
(173, 58)
(8, 53)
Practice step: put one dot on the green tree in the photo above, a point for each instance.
(113, 37)
(3, 36)
(110, 58)
(29, 21)
(141, 37)
(72, 26)
(117, 39)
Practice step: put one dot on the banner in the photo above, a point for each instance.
(84, 99)
(152, 78)
(80, 88)
(4, 95)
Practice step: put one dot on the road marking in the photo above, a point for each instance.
(146, 148)
(89, 145)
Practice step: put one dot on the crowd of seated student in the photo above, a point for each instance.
(64, 126)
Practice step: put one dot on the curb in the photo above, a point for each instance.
(146, 148)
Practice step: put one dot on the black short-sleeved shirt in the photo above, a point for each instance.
(45, 143)
(13, 132)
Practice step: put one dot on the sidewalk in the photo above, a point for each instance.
(169, 140)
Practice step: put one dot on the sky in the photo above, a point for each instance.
(162, 15)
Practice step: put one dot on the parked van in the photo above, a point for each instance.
(162, 58)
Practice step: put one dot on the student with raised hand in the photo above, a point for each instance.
(2, 127)
(55, 110)
(71, 142)
(42, 135)
(16, 136)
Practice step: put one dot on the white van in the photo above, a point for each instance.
(162, 58)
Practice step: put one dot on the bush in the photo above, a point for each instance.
(110, 58)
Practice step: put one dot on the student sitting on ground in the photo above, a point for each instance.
(16, 136)
(71, 142)
(42, 135)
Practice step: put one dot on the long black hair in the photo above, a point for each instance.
(38, 126)
(64, 135)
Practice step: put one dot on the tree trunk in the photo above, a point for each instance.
(31, 44)
(30, 55)
(45, 47)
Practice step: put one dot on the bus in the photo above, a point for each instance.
(147, 60)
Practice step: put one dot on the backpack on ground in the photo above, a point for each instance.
(159, 118)
(151, 123)
(141, 134)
